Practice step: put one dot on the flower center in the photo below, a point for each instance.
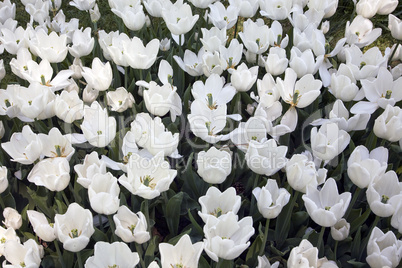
(384, 199)
(327, 208)
(147, 181)
(132, 227)
(74, 233)
(3, 240)
(113, 266)
(210, 102)
(217, 212)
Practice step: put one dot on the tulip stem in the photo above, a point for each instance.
(100, 223)
(125, 77)
(63, 194)
(255, 184)
(222, 263)
(56, 245)
(79, 260)
(264, 242)
(140, 253)
(321, 237)
(355, 196)
(3, 206)
(112, 227)
(393, 52)
(365, 241)
(335, 249)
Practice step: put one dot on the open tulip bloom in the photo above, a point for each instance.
(200, 133)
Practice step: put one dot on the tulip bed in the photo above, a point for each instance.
(200, 133)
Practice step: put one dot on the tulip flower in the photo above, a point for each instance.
(201, 3)
(7, 11)
(380, 92)
(91, 167)
(367, 8)
(396, 219)
(304, 255)
(98, 128)
(340, 230)
(385, 194)
(159, 100)
(69, 106)
(386, 7)
(232, 54)
(263, 262)
(74, 228)
(7, 234)
(275, 9)
(120, 99)
(360, 32)
(183, 254)
(255, 128)
(271, 199)
(155, 7)
(41, 226)
(343, 84)
(116, 254)
(364, 65)
(28, 254)
(179, 18)
(326, 207)
(3, 178)
(389, 124)
(153, 136)
(129, 10)
(147, 178)
(83, 5)
(329, 141)
(216, 204)
(51, 47)
(222, 17)
(255, 36)
(212, 63)
(12, 219)
(52, 173)
(212, 39)
(227, 238)
(302, 172)
(364, 168)
(139, 56)
(191, 63)
(83, 43)
(276, 62)
(103, 194)
(100, 76)
(214, 165)
(266, 157)
(247, 8)
(24, 147)
(383, 249)
(299, 93)
(328, 6)
(131, 227)
(340, 115)
(244, 78)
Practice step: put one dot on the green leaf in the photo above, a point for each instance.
(195, 223)
(150, 252)
(173, 213)
(9, 201)
(41, 203)
(355, 248)
(252, 253)
(175, 239)
(357, 264)
(99, 235)
(68, 258)
(354, 225)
